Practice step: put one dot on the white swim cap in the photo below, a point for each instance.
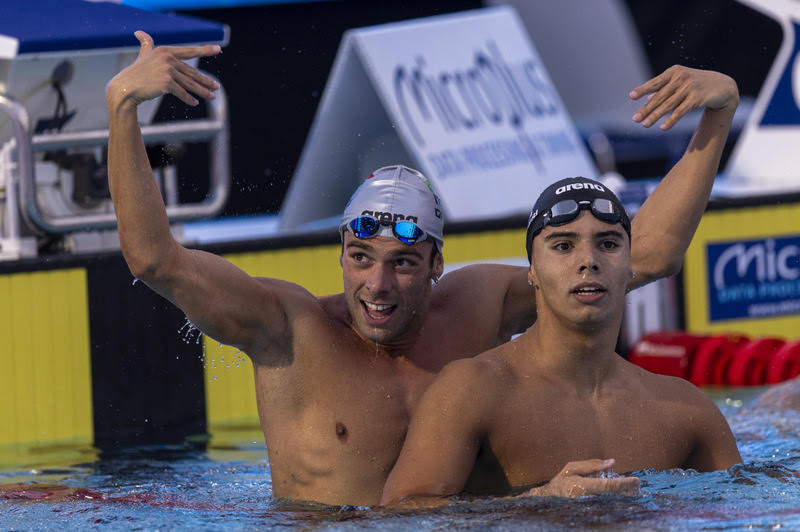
(395, 193)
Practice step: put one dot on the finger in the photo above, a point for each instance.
(619, 485)
(189, 84)
(576, 490)
(657, 112)
(197, 76)
(145, 42)
(179, 92)
(587, 467)
(649, 86)
(600, 486)
(677, 114)
(655, 100)
(190, 52)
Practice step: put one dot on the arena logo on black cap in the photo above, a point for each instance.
(579, 186)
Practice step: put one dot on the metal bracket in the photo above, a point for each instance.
(215, 130)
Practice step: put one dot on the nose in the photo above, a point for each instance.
(380, 279)
(588, 262)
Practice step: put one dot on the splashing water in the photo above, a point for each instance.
(189, 332)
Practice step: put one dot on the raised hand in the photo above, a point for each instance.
(586, 477)
(679, 90)
(159, 71)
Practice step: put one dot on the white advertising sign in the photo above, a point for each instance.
(467, 101)
(767, 154)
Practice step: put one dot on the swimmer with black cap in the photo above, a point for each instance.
(337, 377)
(562, 202)
(508, 419)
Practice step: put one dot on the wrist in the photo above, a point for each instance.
(731, 102)
(118, 99)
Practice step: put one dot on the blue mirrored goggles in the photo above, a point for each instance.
(403, 230)
(566, 211)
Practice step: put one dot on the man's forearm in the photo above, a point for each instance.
(667, 221)
(143, 225)
(665, 225)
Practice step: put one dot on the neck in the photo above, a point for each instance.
(397, 346)
(583, 353)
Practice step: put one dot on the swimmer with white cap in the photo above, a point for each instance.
(338, 377)
(395, 201)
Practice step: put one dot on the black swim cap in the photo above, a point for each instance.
(580, 190)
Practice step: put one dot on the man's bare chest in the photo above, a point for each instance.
(532, 446)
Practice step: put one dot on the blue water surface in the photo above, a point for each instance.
(226, 486)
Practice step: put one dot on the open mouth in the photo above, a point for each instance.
(589, 292)
(377, 311)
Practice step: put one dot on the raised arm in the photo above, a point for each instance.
(665, 224)
(217, 297)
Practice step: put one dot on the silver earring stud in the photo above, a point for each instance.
(530, 283)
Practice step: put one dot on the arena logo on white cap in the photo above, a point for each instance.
(463, 97)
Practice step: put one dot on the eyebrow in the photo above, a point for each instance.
(358, 244)
(407, 250)
(570, 234)
(560, 234)
(606, 234)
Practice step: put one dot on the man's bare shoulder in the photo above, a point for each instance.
(481, 287)
(784, 395)
(299, 300)
(286, 289)
(480, 273)
(475, 377)
(668, 388)
(478, 377)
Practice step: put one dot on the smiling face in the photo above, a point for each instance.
(581, 271)
(387, 285)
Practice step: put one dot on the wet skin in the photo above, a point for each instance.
(511, 417)
(338, 377)
(335, 417)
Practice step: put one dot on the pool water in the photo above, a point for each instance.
(225, 485)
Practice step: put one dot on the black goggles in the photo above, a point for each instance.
(566, 211)
(403, 230)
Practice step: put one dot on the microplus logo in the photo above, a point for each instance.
(756, 278)
(579, 186)
(490, 92)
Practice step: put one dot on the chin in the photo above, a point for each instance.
(373, 334)
(595, 319)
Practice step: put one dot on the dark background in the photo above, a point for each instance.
(279, 57)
